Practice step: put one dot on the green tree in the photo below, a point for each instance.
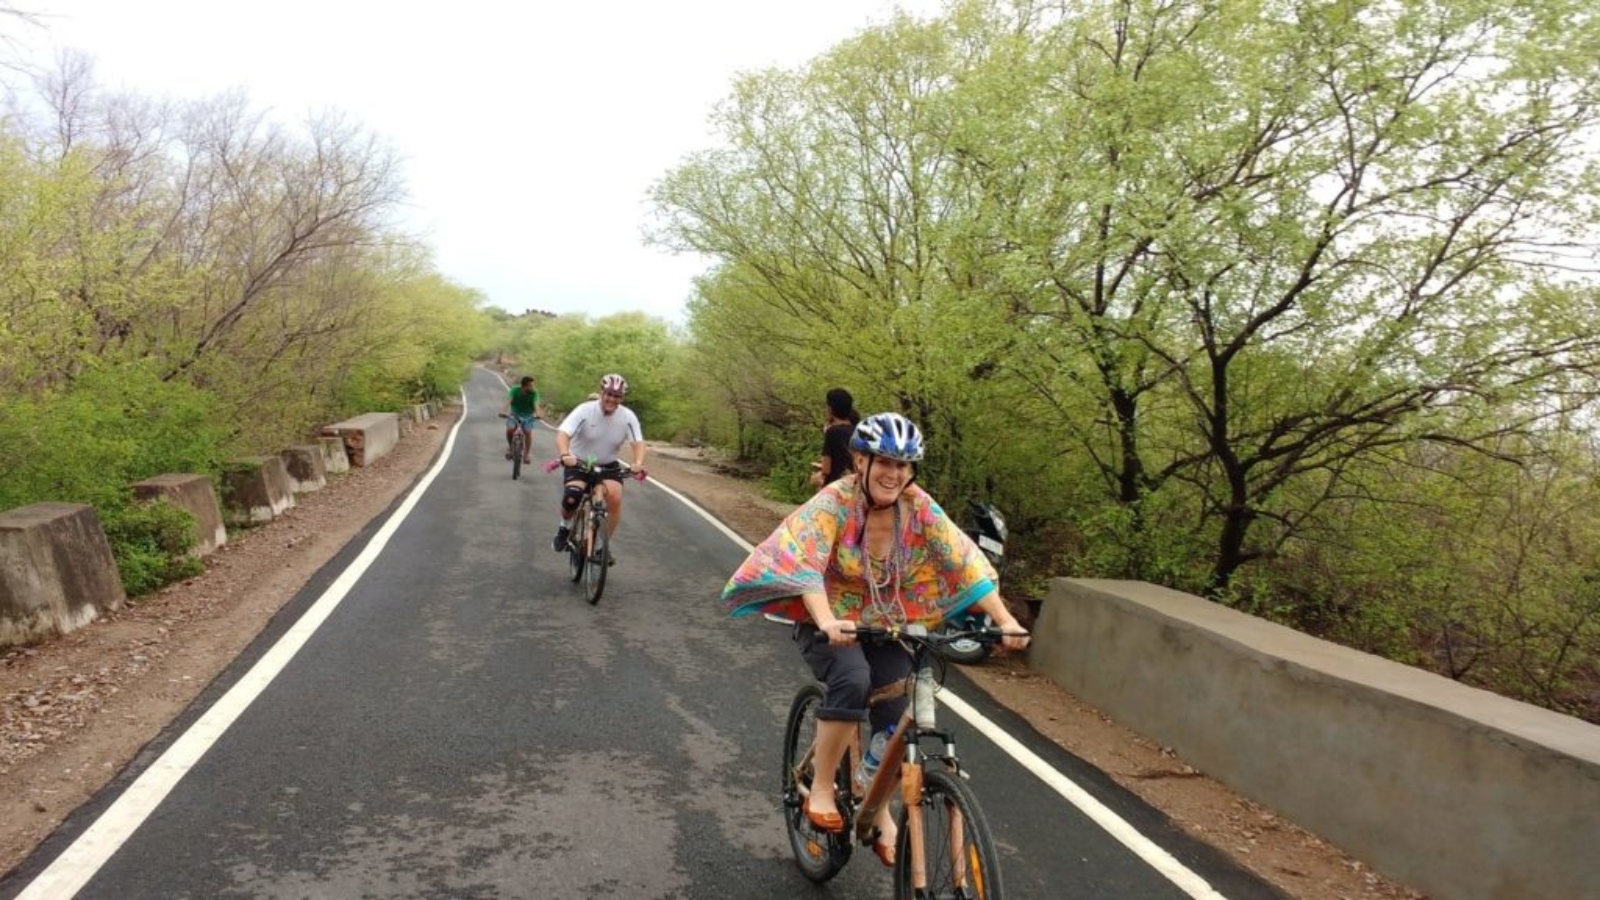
(831, 207)
(1307, 232)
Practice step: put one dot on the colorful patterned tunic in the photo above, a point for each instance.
(819, 549)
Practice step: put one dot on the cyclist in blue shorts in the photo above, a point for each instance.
(522, 405)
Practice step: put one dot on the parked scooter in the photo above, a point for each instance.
(988, 531)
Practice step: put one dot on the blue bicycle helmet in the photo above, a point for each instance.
(889, 435)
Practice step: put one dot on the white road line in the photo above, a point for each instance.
(717, 524)
(1176, 872)
(1157, 858)
(78, 863)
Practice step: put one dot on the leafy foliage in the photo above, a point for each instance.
(153, 544)
(86, 441)
(1264, 301)
(569, 354)
(181, 283)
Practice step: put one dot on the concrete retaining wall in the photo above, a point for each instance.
(1462, 793)
(194, 494)
(56, 571)
(255, 490)
(367, 437)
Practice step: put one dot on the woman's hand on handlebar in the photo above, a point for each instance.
(1013, 636)
(840, 632)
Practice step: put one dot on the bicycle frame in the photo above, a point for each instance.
(906, 745)
(520, 438)
(594, 505)
(969, 858)
(590, 541)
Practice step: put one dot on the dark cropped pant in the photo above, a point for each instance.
(850, 673)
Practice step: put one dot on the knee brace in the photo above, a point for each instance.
(571, 496)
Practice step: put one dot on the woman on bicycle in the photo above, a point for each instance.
(871, 548)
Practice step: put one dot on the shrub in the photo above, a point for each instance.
(153, 544)
(87, 441)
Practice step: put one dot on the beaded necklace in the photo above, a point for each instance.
(883, 591)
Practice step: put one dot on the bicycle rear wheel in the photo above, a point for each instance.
(518, 442)
(577, 547)
(594, 577)
(958, 852)
(819, 855)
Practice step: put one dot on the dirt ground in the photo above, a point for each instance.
(74, 711)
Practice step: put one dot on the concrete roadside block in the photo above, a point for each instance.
(57, 573)
(194, 494)
(334, 459)
(255, 490)
(307, 472)
(367, 437)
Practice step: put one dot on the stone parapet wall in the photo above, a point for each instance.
(1460, 792)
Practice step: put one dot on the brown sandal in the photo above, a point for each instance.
(882, 849)
(884, 852)
(832, 823)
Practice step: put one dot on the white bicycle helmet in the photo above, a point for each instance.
(613, 384)
(889, 435)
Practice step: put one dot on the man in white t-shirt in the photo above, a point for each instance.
(594, 432)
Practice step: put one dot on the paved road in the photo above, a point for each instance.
(462, 724)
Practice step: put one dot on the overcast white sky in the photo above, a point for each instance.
(530, 131)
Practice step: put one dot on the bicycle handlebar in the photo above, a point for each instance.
(919, 634)
(589, 465)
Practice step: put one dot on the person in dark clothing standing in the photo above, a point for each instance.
(842, 419)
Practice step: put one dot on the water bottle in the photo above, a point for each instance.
(873, 757)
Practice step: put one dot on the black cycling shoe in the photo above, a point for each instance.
(559, 544)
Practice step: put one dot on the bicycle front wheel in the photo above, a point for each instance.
(958, 854)
(819, 855)
(594, 576)
(518, 442)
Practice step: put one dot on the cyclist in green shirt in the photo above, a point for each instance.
(522, 405)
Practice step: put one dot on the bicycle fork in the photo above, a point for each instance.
(912, 798)
(597, 522)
